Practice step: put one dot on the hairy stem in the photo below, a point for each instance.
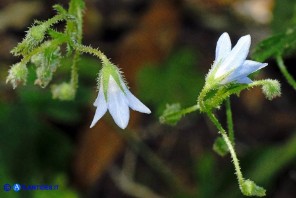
(285, 72)
(90, 50)
(230, 147)
(75, 8)
(229, 120)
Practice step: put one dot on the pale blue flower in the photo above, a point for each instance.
(117, 101)
(230, 65)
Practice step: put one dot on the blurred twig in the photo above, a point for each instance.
(285, 72)
(128, 186)
(153, 160)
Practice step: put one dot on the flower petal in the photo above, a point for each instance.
(236, 57)
(223, 47)
(100, 97)
(101, 105)
(135, 103)
(244, 70)
(244, 80)
(117, 104)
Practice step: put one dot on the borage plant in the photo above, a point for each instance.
(45, 47)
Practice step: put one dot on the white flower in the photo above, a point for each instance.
(230, 65)
(117, 99)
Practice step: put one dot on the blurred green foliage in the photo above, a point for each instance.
(283, 40)
(178, 80)
(35, 139)
(279, 44)
(284, 15)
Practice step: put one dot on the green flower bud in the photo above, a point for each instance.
(34, 37)
(17, 74)
(37, 33)
(64, 91)
(171, 115)
(271, 89)
(46, 63)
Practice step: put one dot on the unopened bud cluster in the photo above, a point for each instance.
(41, 46)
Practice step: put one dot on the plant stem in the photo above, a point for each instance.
(189, 109)
(285, 72)
(183, 112)
(76, 9)
(230, 147)
(55, 20)
(229, 120)
(90, 50)
(74, 71)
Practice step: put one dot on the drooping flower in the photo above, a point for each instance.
(115, 97)
(230, 65)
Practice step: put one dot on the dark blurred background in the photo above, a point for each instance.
(165, 48)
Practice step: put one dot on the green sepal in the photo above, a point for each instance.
(215, 97)
(108, 70)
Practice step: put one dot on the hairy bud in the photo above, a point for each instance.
(17, 74)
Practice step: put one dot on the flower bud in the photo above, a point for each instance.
(46, 63)
(171, 115)
(63, 91)
(271, 89)
(34, 37)
(17, 74)
(37, 33)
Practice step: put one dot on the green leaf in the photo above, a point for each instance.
(249, 188)
(283, 43)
